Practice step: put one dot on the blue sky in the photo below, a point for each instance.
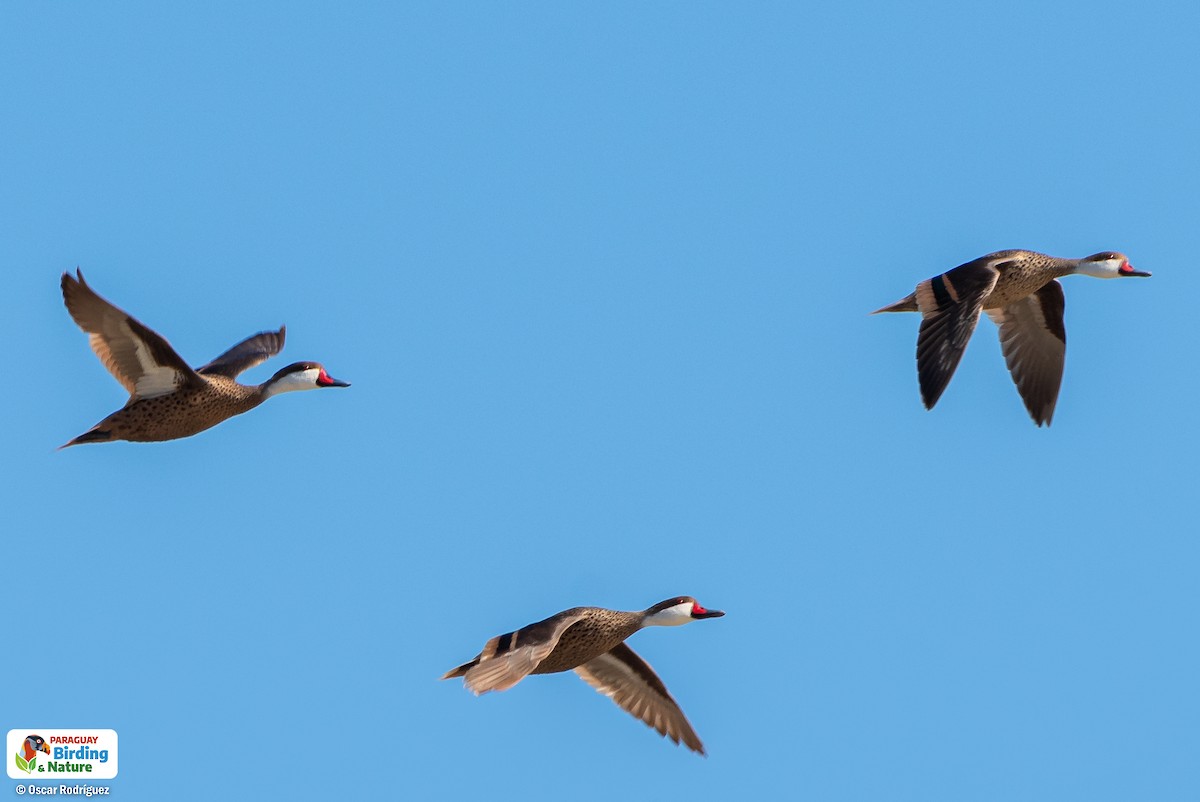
(600, 278)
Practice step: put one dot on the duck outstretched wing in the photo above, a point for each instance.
(137, 356)
(249, 353)
(630, 682)
(507, 659)
(1034, 342)
(949, 306)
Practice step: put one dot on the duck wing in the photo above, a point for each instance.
(1034, 342)
(949, 306)
(629, 681)
(249, 353)
(507, 659)
(138, 357)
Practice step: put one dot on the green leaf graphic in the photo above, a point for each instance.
(21, 764)
(32, 762)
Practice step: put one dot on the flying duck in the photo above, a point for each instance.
(167, 398)
(1020, 292)
(591, 641)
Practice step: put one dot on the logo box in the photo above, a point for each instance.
(48, 754)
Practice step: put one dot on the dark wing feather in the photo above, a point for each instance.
(949, 305)
(138, 357)
(507, 659)
(249, 353)
(630, 681)
(1034, 342)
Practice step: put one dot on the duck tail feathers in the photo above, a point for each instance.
(91, 436)
(906, 304)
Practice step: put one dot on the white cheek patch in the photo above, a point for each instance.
(673, 616)
(303, 380)
(1107, 269)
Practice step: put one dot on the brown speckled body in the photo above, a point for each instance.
(181, 413)
(598, 632)
(1022, 275)
(1026, 274)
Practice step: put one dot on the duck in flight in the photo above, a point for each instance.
(1020, 292)
(167, 398)
(591, 642)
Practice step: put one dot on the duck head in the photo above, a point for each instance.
(1108, 264)
(677, 611)
(300, 376)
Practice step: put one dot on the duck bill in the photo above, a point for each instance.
(329, 381)
(708, 614)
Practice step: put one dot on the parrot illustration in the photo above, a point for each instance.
(29, 749)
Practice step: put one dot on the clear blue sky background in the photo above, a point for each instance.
(600, 276)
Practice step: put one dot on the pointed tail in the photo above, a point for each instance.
(91, 436)
(906, 304)
(461, 670)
